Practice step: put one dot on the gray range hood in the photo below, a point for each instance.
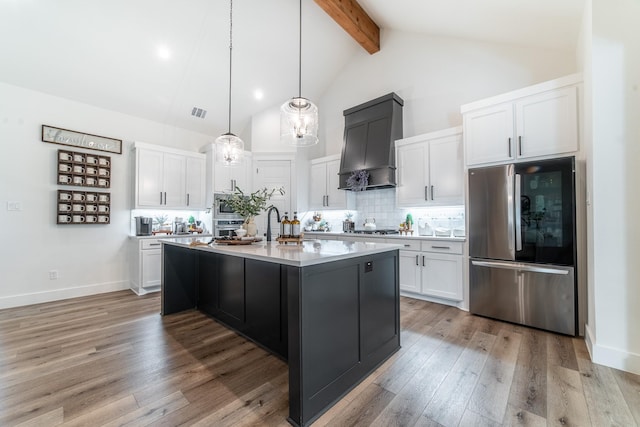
(370, 130)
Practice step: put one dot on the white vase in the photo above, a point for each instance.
(251, 227)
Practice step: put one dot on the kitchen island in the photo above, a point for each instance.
(329, 308)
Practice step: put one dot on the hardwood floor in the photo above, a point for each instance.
(112, 360)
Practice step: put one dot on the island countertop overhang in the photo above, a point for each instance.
(310, 252)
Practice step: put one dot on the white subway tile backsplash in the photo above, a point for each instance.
(381, 205)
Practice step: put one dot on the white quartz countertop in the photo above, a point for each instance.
(308, 253)
(388, 237)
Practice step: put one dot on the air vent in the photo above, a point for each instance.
(198, 112)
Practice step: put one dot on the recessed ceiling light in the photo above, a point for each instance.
(258, 94)
(163, 52)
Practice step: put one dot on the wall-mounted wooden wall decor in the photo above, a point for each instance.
(81, 140)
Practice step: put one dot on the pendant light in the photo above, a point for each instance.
(299, 116)
(229, 148)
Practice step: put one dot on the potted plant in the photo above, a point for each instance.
(250, 205)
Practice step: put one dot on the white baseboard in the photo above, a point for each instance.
(444, 301)
(60, 294)
(610, 356)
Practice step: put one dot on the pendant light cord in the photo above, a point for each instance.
(230, 58)
(300, 55)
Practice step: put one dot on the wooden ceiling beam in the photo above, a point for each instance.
(355, 21)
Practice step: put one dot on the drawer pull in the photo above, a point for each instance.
(406, 245)
(154, 244)
(440, 247)
(417, 260)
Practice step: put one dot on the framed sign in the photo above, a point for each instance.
(79, 139)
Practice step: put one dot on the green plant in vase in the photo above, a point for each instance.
(250, 205)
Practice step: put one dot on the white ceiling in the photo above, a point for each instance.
(104, 53)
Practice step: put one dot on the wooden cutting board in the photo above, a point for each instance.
(234, 242)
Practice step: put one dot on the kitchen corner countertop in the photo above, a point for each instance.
(319, 234)
(310, 252)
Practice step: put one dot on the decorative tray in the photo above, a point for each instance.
(242, 241)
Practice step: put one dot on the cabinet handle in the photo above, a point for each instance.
(440, 247)
(426, 192)
(406, 245)
(423, 260)
(520, 145)
(417, 260)
(432, 193)
(327, 200)
(323, 200)
(161, 197)
(154, 244)
(187, 199)
(165, 197)
(509, 147)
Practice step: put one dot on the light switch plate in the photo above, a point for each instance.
(14, 206)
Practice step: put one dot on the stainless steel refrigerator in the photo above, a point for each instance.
(522, 234)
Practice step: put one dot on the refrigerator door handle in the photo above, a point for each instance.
(520, 267)
(510, 206)
(518, 212)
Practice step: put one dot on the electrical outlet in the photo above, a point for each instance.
(53, 274)
(14, 206)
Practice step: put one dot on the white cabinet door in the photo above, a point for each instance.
(410, 271)
(442, 276)
(413, 174)
(222, 178)
(547, 123)
(149, 170)
(227, 178)
(336, 199)
(273, 174)
(446, 170)
(175, 168)
(151, 261)
(488, 134)
(317, 186)
(195, 182)
(241, 175)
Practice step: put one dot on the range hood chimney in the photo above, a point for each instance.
(370, 131)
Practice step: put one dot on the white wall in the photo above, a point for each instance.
(614, 337)
(434, 76)
(89, 258)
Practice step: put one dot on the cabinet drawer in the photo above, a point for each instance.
(408, 245)
(150, 244)
(442, 247)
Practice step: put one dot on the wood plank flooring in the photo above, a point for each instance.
(112, 360)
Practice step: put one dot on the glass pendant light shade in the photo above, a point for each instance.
(229, 149)
(299, 116)
(299, 122)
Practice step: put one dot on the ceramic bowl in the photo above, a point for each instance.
(240, 232)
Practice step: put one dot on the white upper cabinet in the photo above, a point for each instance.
(430, 169)
(537, 121)
(225, 179)
(195, 183)
(323, 184)
(547, 123)
(168, 178)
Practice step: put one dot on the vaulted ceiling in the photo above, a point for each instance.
(159, 59)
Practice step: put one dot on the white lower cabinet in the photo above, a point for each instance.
(432, 268)
(146, 265)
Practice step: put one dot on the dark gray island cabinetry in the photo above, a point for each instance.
(330, 308)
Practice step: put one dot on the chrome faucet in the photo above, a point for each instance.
(269, 221)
